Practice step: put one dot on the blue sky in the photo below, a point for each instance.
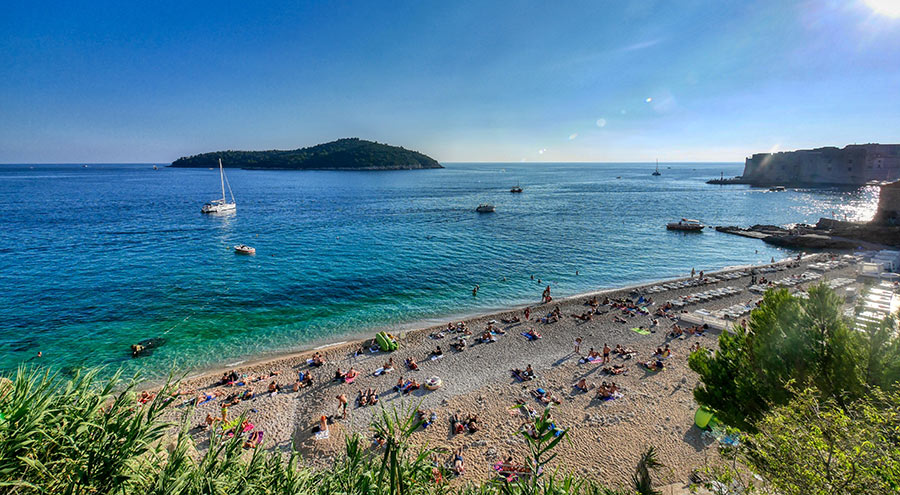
(460, 81)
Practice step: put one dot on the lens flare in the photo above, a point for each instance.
(890, 8)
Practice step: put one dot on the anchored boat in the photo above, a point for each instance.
(221, 205)
(685, 224)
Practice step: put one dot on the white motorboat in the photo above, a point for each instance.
(685, 224)
(244, 249)
(221, 205)
(485, 208)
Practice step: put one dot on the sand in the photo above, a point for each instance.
(606, 437)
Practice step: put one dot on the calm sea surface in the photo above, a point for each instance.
(95, 259)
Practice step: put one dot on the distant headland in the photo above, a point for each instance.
(343, 154)
(853, 165)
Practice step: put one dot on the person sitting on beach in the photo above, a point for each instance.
(307, 380)
(654, 323)
(338, 375)
(373, 397)
(317, 360)
(437, 352)
(581, 385)
(603, 391)
(666, 352)
(466, 331)
(351, 374)
(459, 345)
(676, 331)
(486, 337)
(592, 302)
(411, 364)
(410, 386)
(529, 371)
(362, 399)
(273, 387)
(389, 365)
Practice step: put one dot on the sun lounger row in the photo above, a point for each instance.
(733, 312)
(705, 296)
(837, 283)
(824, 266)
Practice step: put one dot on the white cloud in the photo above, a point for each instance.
(601, 122)
(573, 136)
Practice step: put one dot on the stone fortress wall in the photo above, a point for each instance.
(855, 164)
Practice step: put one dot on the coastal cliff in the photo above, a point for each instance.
(343, 154)
(853, 165)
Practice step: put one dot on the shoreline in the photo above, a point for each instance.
(421, 326)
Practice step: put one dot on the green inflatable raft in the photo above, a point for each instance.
(386, 342)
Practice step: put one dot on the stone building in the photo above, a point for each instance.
(888, 212)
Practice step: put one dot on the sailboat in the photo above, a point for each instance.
(657, 168)
(221, 205)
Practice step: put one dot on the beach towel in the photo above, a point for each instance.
(541, 391)
(322, 435)
(207, 399)
(641, 331)
(529, 336)
(349, 380)
(435, 358)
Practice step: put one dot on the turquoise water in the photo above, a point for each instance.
(94, 259)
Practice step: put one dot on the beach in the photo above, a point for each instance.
(605, 437)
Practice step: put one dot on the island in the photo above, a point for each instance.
(343, 154)
(852, 165)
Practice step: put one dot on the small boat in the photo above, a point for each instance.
(516, 189)
(221, 205)
(777, 188)
(485, 208)
(244, 249)
(657, 169)
(155, 167)
(685, 224)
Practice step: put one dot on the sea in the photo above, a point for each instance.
(96, 257)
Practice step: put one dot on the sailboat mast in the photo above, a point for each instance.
(222, 178)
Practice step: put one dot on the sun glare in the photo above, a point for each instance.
(890, 8)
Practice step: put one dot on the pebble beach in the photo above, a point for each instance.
(605, 437)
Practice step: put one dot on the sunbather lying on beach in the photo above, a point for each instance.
(546, 397)
(411, 364)
(486, 338)
(351, 375)
(521, 375)
(254, 440)
(619, 319)
(512, 319)
(616, 369)
(459, 345)
(532, 335)
(410, 386)
(458, 466)
(653, 365)
(587, 315)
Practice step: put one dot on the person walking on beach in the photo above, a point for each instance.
(693, 273)
(527, 313)
(342, 405)
(606, 351)
(545, 297)
(577, 346)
